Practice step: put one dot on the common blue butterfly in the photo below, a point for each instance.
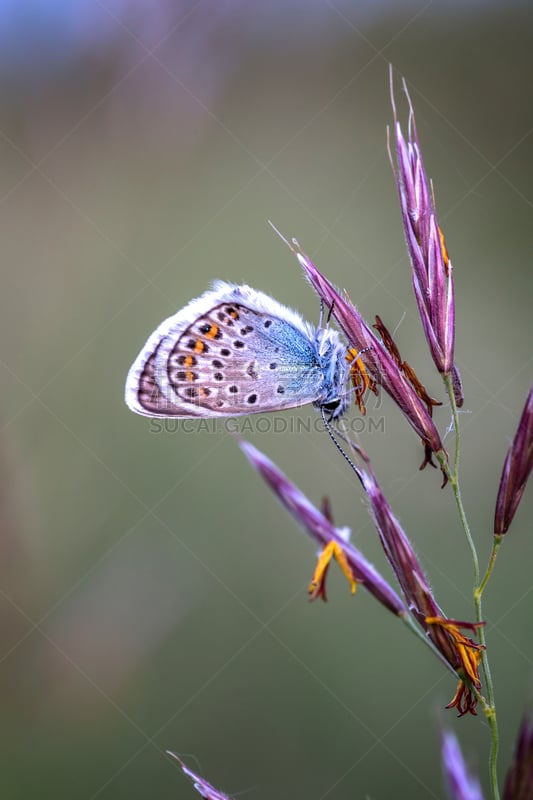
(235, 351)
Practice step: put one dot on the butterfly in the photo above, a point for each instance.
(235, 351)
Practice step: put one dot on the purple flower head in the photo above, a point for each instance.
(516, 470)
(457, 386)
(519, 781)
(377, 360)
(403, 560)
(461, 785)
(432, 273)
(459, 652)
(322, 530)
(456, 649)
(203, 788)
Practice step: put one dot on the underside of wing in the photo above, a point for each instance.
(145, 396)
(233, 351)
(236, 360)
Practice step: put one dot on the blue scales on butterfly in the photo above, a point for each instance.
(235, 351)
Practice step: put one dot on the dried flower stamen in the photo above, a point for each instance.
(464, 700)
(361, 380)
(407, 370)
(317, 587)
(469, 655)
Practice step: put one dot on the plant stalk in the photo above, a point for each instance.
(453, 477)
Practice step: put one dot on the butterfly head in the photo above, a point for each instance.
(333, 399)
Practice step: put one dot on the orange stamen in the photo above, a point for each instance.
(444, 249)
(361, 380)
(317, 587)
(469, 654)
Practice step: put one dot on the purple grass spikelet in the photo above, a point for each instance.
(431, 268)
(321, 529)
(519, 780)
(461, 785)
(516, 470)
(203, 788)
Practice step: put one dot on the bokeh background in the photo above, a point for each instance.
(153, 592)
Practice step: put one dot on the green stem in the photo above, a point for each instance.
(492, 560)
(454, 481)
(490, 707)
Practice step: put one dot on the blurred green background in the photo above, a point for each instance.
(153, 592)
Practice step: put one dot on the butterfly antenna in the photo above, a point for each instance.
(343, 453)
(330, 312)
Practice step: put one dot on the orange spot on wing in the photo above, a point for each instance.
(199, 346)
(212, 332)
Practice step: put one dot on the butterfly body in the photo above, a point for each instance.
(235, 351)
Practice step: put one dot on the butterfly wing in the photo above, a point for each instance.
(230, 352)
